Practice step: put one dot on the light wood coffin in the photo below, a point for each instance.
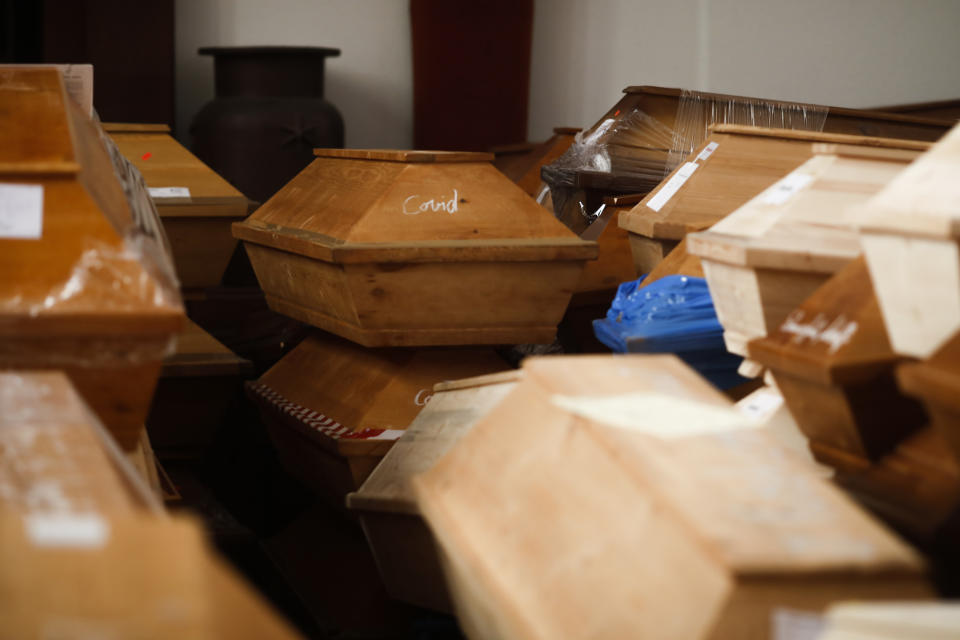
(85, 548)
(197, 384)
(604, 495)
(402, 545)
(195, 204)
(333, 409)
(892, 621)
(406, 248)
(640, 153)
(86, 285)
(910, 234)
(733, 165)
(769, 255)
(833, 363)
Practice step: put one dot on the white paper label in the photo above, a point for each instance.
(655, 414)
(672, 186)
(788, 624)
(708, 151)
(169, 192)
(87, 530)
(760, 404)
(21, 211)
(388, 434)
(788, 187)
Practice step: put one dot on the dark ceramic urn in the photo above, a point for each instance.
(267, 117)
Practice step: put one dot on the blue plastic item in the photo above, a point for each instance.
(672, 315)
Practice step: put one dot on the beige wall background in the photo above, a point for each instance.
(855, 53)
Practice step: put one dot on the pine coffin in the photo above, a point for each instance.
(85, 546)
(87, 286)
(769, 255)
(195, 204)
(910, 233)
(402, 545)
(398, 248)
(605, 494)
(333, 409)
(733, 165)
(833, 363)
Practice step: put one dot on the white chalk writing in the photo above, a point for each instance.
(422, 398)
(834, 334)
(415, 205)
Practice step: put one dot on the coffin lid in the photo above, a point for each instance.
(452, 411)
(349, 206)
(804, 222)
(758, 510)
(734, 164)
(937, 379)
(836, 336)
(164, 162)
(924, 199)
(99, 264)
(362, 389)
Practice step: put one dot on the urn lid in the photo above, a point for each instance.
(80, 252)
(383, 206)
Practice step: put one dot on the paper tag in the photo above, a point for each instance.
(789, 624)
(87, 530)
(655, 414)
(21, 211)
(760, 404)
(708, 151)
(169, 192)
(672, 186)
(786, 188)
(388, 434)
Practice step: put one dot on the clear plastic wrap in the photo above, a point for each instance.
(696, 111)
(630, 151)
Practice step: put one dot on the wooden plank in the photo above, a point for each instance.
(395, 155)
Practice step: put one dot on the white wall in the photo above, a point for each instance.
(854, 53)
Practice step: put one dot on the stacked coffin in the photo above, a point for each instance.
(87, 285)
(765, 258)
(392, 250)
(86, 548)
(603, 495)
(196, 205)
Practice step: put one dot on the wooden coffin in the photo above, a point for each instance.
(769, 255)
(832, 360)
(333, 409)
(198, 382)
(892, 621)
(936, 382)
(85, 548)
(414, 248)
(637, 153)
(195, 204)
(605, 494)
(522, 163)
(910, 234)
(86, 285)
(733, 165)
(402, 545)
(937, 110)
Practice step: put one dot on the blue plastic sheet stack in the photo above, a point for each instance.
(672, 315)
